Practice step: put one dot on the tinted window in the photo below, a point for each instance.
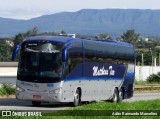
(107, 53)
(40, 62)
(74, 58)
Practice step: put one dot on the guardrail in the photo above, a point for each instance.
(8, 80)
(8, 64)
(149, 86)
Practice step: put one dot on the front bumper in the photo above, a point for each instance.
(41, 97)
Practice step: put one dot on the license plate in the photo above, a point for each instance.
(36, 97)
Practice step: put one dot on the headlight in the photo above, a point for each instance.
(19, 89)
(57, 91)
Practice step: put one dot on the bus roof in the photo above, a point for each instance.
(60, 39)
(64, 40)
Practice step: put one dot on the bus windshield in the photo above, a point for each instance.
(40, 62)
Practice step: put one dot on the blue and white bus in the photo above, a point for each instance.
(62, 69)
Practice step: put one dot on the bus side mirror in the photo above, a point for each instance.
(15, 51)
(64, 55)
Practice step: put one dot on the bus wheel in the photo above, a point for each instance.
(76, 101)
(120, 95)
(115, 96)
(35, 103)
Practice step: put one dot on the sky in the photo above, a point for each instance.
(27, 9)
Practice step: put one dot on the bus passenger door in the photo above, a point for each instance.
(73, 72)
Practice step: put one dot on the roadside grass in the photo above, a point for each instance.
(104, 110)
(7, 89)
(140, 82)
(145, 90)
(145, 82)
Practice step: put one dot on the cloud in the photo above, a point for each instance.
(26, 9)
(21, 13)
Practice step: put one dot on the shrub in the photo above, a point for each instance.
(154, 78)
(140, 82)
(7, 89)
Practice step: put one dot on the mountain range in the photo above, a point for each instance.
(89, 22)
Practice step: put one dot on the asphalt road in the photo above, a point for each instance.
(14, 104)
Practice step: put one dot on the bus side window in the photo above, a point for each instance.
(68, 64)
(67, 69)
(74, 58)
(70, 68)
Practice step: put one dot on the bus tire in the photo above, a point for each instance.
(115, 96)
(120, 95)
(76, 101)
(36, 104)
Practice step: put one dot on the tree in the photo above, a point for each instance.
(54, 34)
(131, 37)
(5, 51)
(32, 32)
(146, 56)
(105, 36)
(18, 39)
(21, 36)
(63, 32)
(48, 33)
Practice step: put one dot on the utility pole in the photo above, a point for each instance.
(159, 59)
(152, 59)
(142, 60)
(152, 56)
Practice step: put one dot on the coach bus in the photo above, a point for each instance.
(63, 69)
